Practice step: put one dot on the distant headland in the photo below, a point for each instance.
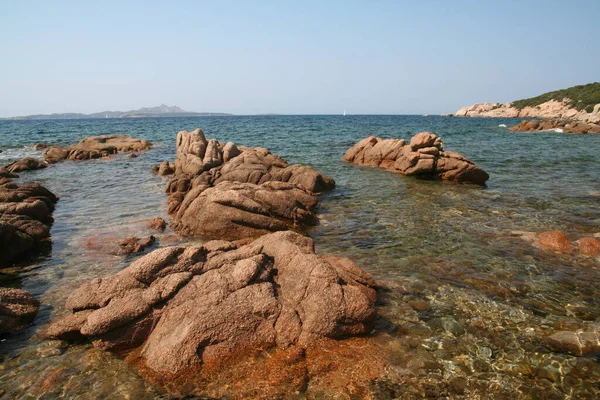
(579, 103)
(160, 111)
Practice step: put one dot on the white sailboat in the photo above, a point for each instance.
(344, 113)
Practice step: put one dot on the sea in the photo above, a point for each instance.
(483, 298)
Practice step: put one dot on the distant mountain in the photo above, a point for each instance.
(160, 111)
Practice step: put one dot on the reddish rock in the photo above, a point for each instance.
(157, 224)
(225, 191)
(423, 157)
(555, 240)
(190, 307)
(589, 246)
(566, 125)
(17, 309)
(96, 147)
(40, 146)
(133, 155)
(26, 164)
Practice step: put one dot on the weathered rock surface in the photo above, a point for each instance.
(40, 146)
(564, 125)
(423, 157)
(96, 147)
(158, 224)
(17, 309)
(185, 307)
(26, 164)
(550, 110)
(225, 191)
(25, 217)
(555, 240)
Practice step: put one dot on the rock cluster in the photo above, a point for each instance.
(17, 309)
(225, 191)
(559, 242)
(25, 217)
(188, 306)
(550, 109)
(164, 168)
(26, 164)
(423, 157)
(95, 147)
(566, 126)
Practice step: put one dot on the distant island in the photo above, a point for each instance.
(145, 112)
(580, 103)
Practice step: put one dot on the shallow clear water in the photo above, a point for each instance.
(490, 296)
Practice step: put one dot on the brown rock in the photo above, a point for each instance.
(589, 246)
(26, 164)
(555, 240)
(135, 245)
(158, 224)
(225, 191)
(566, 125)
(55, 154)
(191, 307)
(577, 343)
(25, 219)
(164, 168)
(17, 309)
(96, 147)
(424, 158)
(40, 146)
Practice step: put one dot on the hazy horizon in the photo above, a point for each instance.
(295, 59)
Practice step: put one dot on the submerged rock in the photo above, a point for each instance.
(186, 307)
(225, 191)
(577, 343)
(559, 242)
(17, 309)
(555, 240)
(557, 124)
(96, 147)
(26, 164)
(25, 218)
(423, 157)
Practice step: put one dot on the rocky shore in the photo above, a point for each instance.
(95, 147)
(229, 192)
(552, 109)
(559, 125)
(25, 218)
(423, 157)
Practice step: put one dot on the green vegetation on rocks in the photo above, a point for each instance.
(582, 97)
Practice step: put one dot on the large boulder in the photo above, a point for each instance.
(424, 157)
(225, 191)
(187, 307)
(96, 147)
(17, 309)
(26, 164)
(25, 218)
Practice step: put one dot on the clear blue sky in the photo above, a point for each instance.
(296, 57)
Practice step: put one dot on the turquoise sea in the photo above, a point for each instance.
(490, 297)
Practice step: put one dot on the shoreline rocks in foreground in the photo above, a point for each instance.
(423, 157)
(562, 125)
(228, 192)
(25, 217)
(94, 147)
(185, 308)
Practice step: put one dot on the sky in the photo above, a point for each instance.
(291, 57)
